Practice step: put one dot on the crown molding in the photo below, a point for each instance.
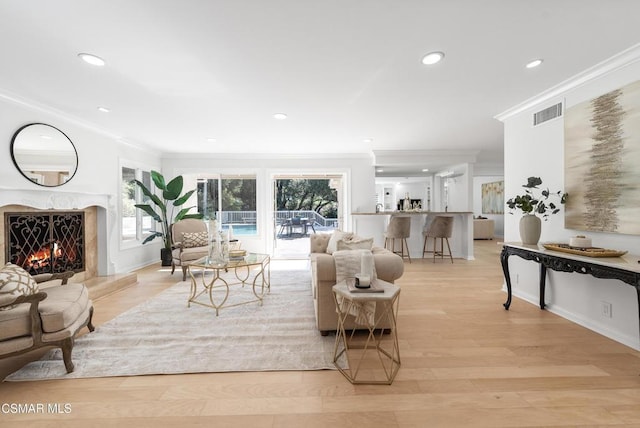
(616, 62)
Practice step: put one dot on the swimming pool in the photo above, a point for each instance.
(242, 229)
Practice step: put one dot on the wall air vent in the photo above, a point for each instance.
(547, 114)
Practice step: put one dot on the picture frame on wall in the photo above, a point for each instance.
(602, 151)
(493, 197)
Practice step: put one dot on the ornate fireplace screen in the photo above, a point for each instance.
(45, 242)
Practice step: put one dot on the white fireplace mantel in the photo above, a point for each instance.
(48, 199)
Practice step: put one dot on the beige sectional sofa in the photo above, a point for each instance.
(388, 266)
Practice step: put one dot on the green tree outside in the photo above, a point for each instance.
(307, 194)
(239, 194)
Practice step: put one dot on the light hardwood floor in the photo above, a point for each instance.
(465, 362)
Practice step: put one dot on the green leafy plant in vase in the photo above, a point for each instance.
(164, 209)
(535, 203)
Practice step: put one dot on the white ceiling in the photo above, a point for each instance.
(181, 71)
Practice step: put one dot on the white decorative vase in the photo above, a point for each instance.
(530, 228)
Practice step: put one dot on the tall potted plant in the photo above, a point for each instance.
(532, 204)
(165, 207)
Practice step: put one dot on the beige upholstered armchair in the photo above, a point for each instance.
(41, 311)
(190, 242)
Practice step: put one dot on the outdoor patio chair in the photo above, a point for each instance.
(296, 222)
(309, 223)
(285, 227)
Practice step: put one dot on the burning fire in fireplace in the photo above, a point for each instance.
(46, 256)
(46, 242)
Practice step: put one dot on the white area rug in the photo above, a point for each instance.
(163, 336)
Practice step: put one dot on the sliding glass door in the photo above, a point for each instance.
(303, 204)
(231, 200)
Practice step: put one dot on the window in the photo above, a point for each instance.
(128, 204)
(147, 222)
(135, 224)
(208, 198)
(231, 200)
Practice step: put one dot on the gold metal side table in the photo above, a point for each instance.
(253, 269)
(371, 356)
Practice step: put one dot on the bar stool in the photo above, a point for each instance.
(399, 228)
(440, 228)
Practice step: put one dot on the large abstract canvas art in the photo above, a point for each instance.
(493, 198)
(602, 154)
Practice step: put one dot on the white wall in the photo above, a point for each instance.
(460, 189)
(539, 151)
(477, 202)
(98, 171)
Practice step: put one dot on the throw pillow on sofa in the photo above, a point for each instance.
(194, 239)
(335, 237)
(355, 243)
(15, 282)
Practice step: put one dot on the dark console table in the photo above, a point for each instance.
(625, 268)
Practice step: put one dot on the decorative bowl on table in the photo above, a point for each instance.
(588, 252)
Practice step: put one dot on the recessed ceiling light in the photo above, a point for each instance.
(280, 116)
(432, 58)
(211, 140)
(92, 59)
(379, 170)
(367, 140)
(534, 63)
(104, 109)
(425, 170)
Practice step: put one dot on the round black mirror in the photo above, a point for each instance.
(44, 154)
